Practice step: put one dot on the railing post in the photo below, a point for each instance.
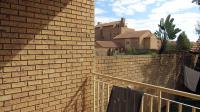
(142, 105)
(151, 103)
(98, 96)
(180, 107)
(94, 93)
(102, 97)
(168, 106)
(108, 92)
(159, 100)
(193, 109)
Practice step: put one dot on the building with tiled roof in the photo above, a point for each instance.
(129, 33)
(106, 31)
(118, 33)
(142, 39)
(196, 46)
(106, 44)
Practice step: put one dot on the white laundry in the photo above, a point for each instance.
(191, 78)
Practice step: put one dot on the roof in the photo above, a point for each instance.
(131, 33)
(196, 46)
(108, 24)
(107, 44)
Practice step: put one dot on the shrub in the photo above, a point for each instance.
(183, 42)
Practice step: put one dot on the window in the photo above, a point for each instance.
(127, 42)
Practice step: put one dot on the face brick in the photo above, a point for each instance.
(45, 55)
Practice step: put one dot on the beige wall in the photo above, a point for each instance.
(154, 43)
(128, 44)
(141, 40)
(156, 70)
(133, 43)
(98, 34)
(147, 43)
(138, 43)
(151, 43)
(46, 53)
(101, 51)
(121, 42)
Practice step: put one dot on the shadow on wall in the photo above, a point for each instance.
(161, 71)
(79, 95)
(25, 28)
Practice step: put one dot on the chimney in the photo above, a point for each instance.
(98, 23)
(123, 22)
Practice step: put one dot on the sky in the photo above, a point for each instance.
(146, 14)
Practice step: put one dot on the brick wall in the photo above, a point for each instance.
(157, 70)
(46, 50)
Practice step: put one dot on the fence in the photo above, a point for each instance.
(159, 101)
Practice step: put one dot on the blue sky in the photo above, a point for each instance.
(146, 14)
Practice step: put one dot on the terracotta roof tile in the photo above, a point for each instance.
(196, 46)
(130, 33)
(108, 24)
(106, 44)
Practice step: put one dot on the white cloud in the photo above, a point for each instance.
(129, 7)
(174, 6)
(184, 21)
(99, 11)
(99, 0)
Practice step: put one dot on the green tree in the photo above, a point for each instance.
(167, 31)
(198, 29)
(171, 46)
(196, 1)
(183, 42)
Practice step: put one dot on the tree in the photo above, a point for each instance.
(183, 42)
(171, 46)
(196, 1)
(198, 29)
(198, 25)
(167, 31)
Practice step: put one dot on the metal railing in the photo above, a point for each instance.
(155, 102)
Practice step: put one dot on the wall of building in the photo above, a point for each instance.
(98, 34)
(101, 51)
(154, 43)
(120, 42)
(156, 70)
(135, 43)
(108, 32)
(142, 39)
(147, 43)
(46, 50)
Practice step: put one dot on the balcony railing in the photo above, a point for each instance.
(156, 98)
